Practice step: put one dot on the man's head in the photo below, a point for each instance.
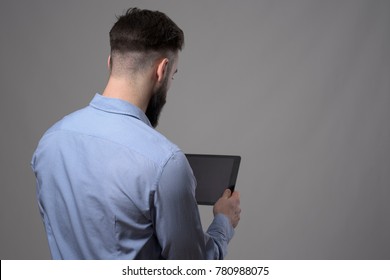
(144, 42)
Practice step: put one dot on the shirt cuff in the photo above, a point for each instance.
(222, 224)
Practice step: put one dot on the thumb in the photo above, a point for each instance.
(227, 193)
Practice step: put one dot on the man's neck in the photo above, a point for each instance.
(127, 91)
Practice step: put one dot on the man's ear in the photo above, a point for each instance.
(109, 63)
(162, 70)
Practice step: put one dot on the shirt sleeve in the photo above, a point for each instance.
(176, 216)
(218, 235)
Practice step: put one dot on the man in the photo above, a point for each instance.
(109, 186)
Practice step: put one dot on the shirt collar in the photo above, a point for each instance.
(118, 106)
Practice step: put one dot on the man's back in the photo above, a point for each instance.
(98, 168)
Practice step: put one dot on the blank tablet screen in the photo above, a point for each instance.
(214, 174)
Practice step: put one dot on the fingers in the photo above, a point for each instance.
(236, 210)
(227, 193)
(236, 195)
(229, 205)
(236, 218)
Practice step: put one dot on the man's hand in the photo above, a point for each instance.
(229, 205)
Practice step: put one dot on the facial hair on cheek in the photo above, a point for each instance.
(156, 104)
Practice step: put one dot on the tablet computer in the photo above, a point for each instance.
(214, 174)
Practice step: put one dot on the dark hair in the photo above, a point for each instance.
(143, 31)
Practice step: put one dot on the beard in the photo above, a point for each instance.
(156, 104)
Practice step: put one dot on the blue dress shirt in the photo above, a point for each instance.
(109, 186)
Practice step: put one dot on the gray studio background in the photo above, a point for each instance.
(299, 89)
